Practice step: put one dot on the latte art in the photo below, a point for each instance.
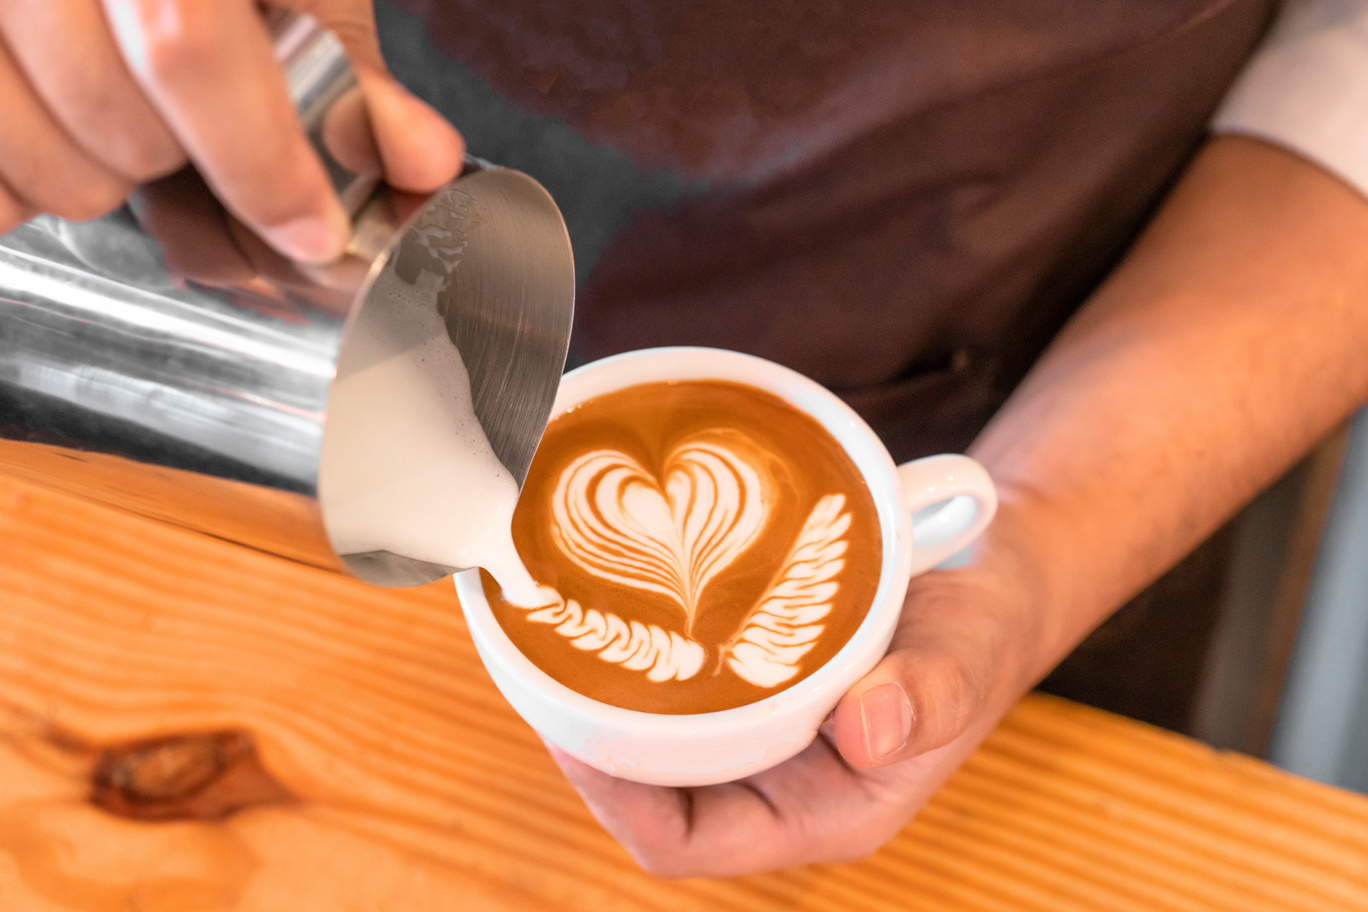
(611, 517)
(634, 646)
(689, 561)
(782, 627)
(785, 624)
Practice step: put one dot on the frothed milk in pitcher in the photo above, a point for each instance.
(406, 467)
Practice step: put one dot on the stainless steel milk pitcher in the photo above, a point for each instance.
(203, 402)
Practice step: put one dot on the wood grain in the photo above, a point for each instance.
(391, 774)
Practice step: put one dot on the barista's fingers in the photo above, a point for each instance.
(12, 212)
(810, 808)
(418, 148)
(347, 134)
(39, 163)
(210, 70)
(421, 151)
(946, 656)
(716, 831)
(86, 86)
(624, 808)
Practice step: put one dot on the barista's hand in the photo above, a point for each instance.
(97, 96)
(962, 655)
(1228, 342)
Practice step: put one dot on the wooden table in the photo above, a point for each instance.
(333, 747)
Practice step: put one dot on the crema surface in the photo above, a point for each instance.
(703, 545)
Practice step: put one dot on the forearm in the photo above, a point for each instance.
(1229, 341)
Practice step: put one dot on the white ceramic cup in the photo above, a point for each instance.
(952, 498)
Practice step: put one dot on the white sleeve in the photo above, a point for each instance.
(1306, 87)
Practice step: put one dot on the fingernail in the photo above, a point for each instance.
(311, 239)
(886, 716)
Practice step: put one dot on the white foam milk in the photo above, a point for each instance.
(406, 467)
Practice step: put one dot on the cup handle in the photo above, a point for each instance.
(952, 500)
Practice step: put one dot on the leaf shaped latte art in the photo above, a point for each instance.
(640, 647)
(785, 624)
(615, 520)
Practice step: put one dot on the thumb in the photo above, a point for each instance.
(413, 145)
(945, 658)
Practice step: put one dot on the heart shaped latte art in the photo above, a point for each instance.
(617, 521)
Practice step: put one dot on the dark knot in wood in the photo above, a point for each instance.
(185, 777)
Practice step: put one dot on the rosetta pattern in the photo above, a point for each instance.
(662, 655)
(786, 622)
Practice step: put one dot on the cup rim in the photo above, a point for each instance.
(861, 444)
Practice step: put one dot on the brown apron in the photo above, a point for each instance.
(903, 200)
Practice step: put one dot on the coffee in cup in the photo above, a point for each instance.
(702, 619)
(704, 544)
